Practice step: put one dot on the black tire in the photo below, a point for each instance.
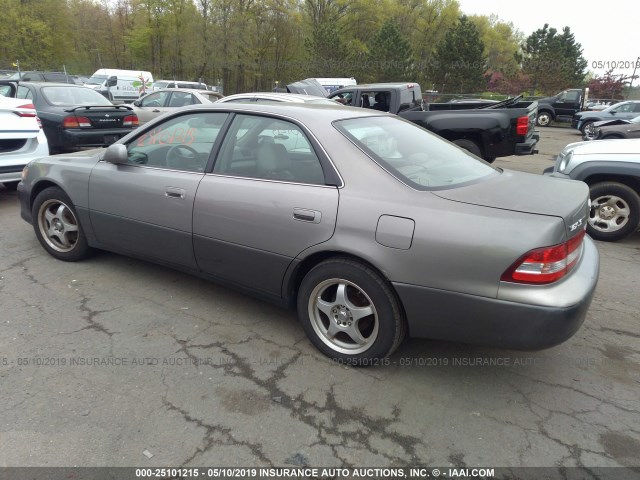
(11, 185)
(584, 126)
(53, 210)
(607, 219)
(544, 118)
(469, 145)
(380, 332)
(490, 159)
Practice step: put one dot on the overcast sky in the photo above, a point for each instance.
(606, 29)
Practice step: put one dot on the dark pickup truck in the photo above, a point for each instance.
(560, 107)
(486, 130)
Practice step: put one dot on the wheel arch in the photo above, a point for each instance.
(475, 137)
(39, 187)
(597, 171)
(547, 109)
(294, 276)
(628, 180)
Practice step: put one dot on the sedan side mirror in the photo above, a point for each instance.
(116, 154)
(136, 103)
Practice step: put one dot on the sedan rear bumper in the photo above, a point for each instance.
(74, 138)
(555, 313)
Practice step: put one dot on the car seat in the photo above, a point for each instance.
(273, 162)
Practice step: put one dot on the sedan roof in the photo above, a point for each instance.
(280, 97)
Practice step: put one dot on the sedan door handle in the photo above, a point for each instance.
(173, 192)
(156, 111)
(304, 215)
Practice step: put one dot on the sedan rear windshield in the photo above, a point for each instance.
(73, 96)
(415, 156)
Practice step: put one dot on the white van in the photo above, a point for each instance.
(160, 84)
(130, 85)
(333, 84)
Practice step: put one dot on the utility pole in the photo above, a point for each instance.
(635, 67)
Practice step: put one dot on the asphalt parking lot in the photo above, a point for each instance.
(117, 362)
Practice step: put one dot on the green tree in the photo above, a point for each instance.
(501, 43)
(389, 57)
(325, 51)
(553, 61)
(459, 61)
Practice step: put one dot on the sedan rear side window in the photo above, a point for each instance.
(415, 156)
(268, 148)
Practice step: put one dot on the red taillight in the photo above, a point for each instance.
(130, 121)
(29, 106)
(546, 265)
(522, 127)
(76, 122)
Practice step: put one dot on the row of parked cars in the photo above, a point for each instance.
(370, 226)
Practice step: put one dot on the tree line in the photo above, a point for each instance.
(249, 45)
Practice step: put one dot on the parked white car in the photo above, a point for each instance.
(162, 84)
(269, 97)
(21, 139)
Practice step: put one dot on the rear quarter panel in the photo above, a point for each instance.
(455, 246)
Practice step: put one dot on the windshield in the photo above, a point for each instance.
(73, 96)
(97, 80)
(415, 156)
(615, 106)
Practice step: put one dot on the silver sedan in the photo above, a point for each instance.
(167, 99)
(372, 227)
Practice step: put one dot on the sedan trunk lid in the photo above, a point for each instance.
(528, 193)
(103, 116)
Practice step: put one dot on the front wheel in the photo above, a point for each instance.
(615, 211)
(587, 127)
(589, 131)
(349, 312)
(57, 227)
(543, 119)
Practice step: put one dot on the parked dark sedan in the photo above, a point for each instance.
(74, 116)
(372, 226)
(584, 121)
(617, 128)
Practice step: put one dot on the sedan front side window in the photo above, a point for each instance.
(181, 143)
(154, 100)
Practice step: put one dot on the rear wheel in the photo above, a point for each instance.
(349, 312)
(615, 211)
(469, 145)
(57, 227)
(543, 119)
